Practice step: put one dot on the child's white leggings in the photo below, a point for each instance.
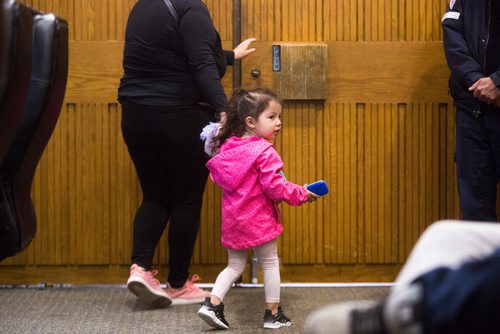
(237, 260)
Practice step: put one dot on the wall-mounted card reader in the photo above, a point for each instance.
(276, 58)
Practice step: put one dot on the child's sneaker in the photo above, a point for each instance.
(188, 294)
(213, 314)
(146, 287)
(277, 320)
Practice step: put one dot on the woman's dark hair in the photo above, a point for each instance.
(244, 103)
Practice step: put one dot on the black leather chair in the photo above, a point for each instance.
(15, 68)
(3, 75)
(39, 117)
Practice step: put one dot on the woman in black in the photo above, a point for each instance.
(173, 64)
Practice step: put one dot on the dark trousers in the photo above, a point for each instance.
(164, 144)
(478, 163)
(463, 300)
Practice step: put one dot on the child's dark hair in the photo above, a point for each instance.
(244, 103)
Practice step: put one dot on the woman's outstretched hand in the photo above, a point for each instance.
(243, 50)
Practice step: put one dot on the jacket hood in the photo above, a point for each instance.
(235, 159)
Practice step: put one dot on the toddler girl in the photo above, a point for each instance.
(249, 171)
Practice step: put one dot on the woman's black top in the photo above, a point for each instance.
(169, 63)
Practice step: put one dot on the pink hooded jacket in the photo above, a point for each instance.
(248, 171)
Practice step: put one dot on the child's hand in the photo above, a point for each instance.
(311, 197)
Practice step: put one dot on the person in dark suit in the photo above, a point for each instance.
(471, 38)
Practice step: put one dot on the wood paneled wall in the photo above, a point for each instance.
(383, 140)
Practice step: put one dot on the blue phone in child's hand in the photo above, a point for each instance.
(319, 188)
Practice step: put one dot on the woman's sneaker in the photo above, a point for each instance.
(146, 287)
(213, 314)
(277, 320)
(188, 294)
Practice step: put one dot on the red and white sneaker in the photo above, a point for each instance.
(188, 294)
(146, 287)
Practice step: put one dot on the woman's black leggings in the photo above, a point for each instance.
(164, 144)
